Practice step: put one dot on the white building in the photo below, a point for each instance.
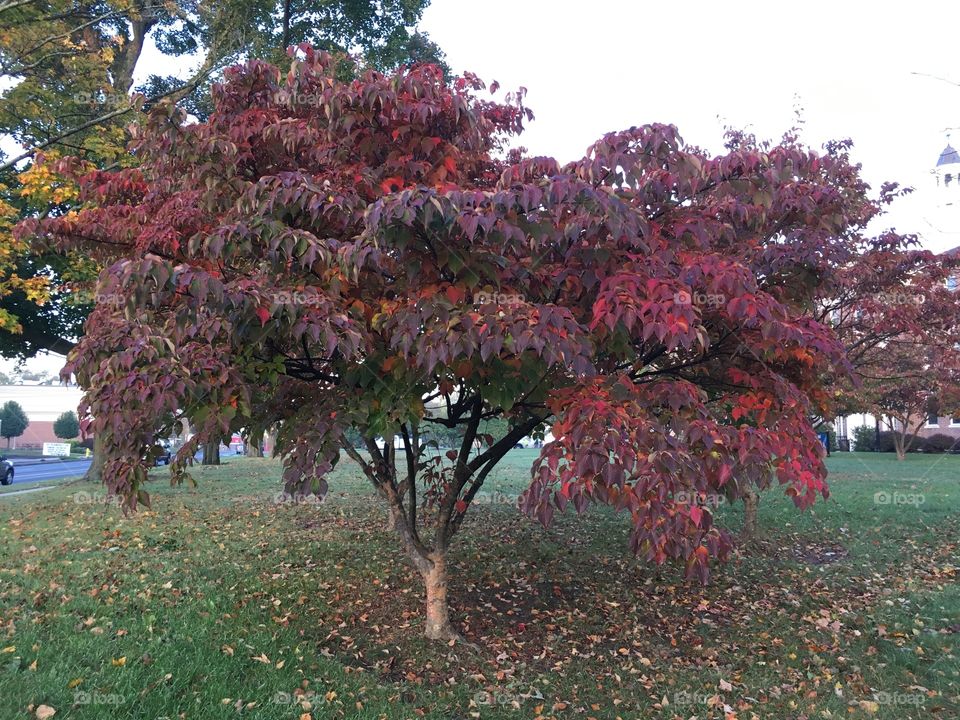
(43, 404)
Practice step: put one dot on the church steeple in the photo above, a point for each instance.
(947, 172)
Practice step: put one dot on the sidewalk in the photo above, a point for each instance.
(32, 460)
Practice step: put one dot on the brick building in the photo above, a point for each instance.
(43, 404)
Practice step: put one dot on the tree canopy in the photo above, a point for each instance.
(67, 426)
(13, 420)
(355, 254)
(69, 72)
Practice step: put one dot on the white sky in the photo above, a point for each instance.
(609, 64)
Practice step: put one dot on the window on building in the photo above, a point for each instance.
(952, 282)
(932, 420)
(955, 421)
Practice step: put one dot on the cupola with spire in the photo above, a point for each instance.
(947, 171)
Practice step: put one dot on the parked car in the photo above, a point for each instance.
(161, 452)
(6, 471)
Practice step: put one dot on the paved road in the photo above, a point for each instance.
(49, 470)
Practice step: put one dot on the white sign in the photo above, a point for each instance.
(57, 449)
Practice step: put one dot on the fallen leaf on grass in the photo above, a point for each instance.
(44, 712)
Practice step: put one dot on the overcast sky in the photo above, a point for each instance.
(593, 67)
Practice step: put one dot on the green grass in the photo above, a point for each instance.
(221, 603)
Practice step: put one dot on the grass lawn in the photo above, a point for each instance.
(221, 603)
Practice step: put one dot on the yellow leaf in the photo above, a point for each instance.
(9, 649)
(73, 683)
(119, 662)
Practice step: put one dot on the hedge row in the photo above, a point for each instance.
(866, 439)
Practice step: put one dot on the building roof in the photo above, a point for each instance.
(43, 402)
(949, 156)
(952, 252)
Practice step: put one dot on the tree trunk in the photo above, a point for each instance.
(95, 469)
(254, 443)
(211, 453)
(751, 502)
(438, 625)
(899, 445)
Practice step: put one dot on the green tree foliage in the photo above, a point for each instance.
(68, 70)
(67, 426)
(13, 420)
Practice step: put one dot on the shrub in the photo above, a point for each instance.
(864, 438)
(939, 443)
(81, 445)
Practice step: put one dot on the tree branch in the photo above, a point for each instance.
(182, 91)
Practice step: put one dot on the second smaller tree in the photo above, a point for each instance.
(67, 426)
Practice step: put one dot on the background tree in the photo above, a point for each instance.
(70, 68)
(908, 382)
(650, 302)
(67, 426)
(13, 420)
(900, 326)
(867, 289)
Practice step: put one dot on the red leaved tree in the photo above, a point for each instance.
(909, 381)
(899, 324)
(363, 257)
(916, 372)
